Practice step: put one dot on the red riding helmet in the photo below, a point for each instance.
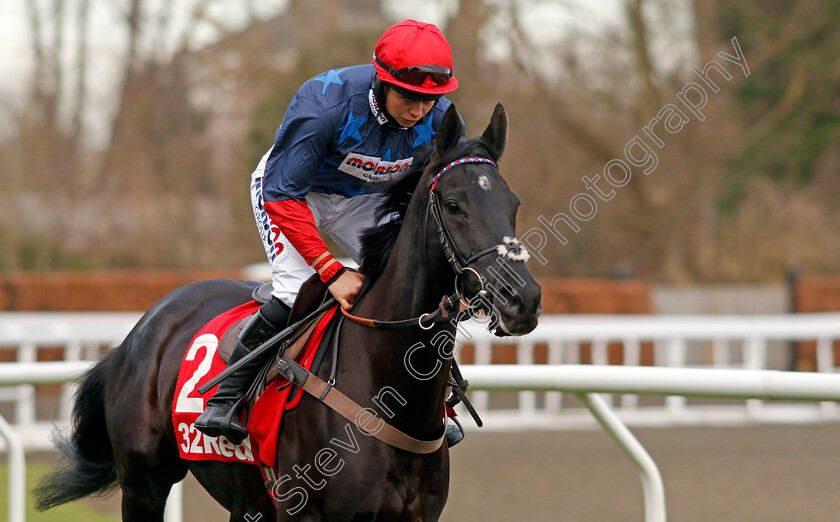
(416, 57)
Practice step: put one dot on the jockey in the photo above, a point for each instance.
(343, 132)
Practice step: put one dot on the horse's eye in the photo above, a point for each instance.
(451, 207)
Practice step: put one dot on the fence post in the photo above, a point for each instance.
(755, 358)
(527, 399)
(825, 364)
(554, 399)
(175, 503)
(25, 405)
(652, 486)
(17, 472)
(675, 358)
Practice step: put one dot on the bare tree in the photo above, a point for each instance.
(80, 100)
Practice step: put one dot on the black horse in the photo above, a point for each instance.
(461, 222)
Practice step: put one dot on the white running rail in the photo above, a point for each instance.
(748, 342)
(752, 342)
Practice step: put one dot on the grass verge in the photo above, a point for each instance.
(79, 511)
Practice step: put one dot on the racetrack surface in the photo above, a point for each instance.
(737, 474)
(757, 473)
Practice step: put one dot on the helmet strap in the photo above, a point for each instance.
(377, 104)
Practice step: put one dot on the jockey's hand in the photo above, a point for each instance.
(346, 288)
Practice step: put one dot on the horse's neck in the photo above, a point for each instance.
(406, 289)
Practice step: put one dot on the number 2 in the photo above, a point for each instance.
(188, 404)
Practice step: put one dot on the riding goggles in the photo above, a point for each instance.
(416, 75)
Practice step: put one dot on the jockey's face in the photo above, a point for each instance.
(406, 111)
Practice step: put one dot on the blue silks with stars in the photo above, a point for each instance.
(330, 141)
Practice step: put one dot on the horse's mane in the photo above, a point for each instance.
(378, 242)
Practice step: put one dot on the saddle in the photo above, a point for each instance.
(312, 294)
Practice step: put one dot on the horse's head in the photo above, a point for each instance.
(471, 224)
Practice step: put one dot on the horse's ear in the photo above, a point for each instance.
(450, 131)
(496, 132)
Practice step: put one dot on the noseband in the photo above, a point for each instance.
(509, 249)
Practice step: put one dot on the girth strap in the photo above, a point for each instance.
(352, 411)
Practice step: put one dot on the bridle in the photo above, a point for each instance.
(454, 256)
(509, 249)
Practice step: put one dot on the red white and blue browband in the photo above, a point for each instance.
(460, 162)
(509, 249)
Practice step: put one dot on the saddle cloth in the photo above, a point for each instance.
(202, 361)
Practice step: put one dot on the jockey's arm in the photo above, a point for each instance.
(300, 145)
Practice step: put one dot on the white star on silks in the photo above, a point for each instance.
(330, 77)
(424, 133)
(351, 128)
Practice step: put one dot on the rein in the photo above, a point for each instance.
(425, 321)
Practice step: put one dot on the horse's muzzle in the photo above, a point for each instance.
(517, 309)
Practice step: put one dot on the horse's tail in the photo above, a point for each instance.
(87, 465)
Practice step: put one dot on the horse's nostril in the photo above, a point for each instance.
(510, 296)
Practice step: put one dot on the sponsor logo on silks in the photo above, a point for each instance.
(371, 168)
(269, 232)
